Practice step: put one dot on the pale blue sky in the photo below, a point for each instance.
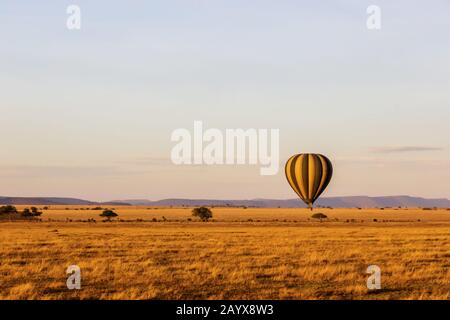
(89, 113)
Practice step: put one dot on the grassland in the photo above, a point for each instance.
(242, 254)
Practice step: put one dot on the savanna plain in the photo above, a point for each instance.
(243, 253)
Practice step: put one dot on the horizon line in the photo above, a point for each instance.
(224, 199)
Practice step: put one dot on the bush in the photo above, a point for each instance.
(26, 212)
(203, 213)
(97, 208)
(8, 209)
(108, 214)
(34, 212)
(319, 216)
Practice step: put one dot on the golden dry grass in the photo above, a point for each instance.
(280, 254)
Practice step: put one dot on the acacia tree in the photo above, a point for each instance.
(319, 216)
(108, 214)
(7, 209)
(203, 213)
(26, 212)
(34, 212)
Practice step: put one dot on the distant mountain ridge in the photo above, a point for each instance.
(49, 201)
(335, 202)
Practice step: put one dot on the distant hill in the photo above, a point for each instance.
(43, 200)
(335, 202)
(52, 201)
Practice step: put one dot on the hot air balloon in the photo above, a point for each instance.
(308, 174)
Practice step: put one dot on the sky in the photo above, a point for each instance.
(89, 113)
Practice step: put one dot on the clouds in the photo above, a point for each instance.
(404, 149)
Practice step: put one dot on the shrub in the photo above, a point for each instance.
(108, 214)
(319, 216)
(97, 208)
(7, 209)
(34, 212)
(203, 213)
(26, 212)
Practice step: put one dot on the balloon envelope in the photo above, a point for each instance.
(308, 174)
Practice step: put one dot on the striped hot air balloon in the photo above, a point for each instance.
(308, 174)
